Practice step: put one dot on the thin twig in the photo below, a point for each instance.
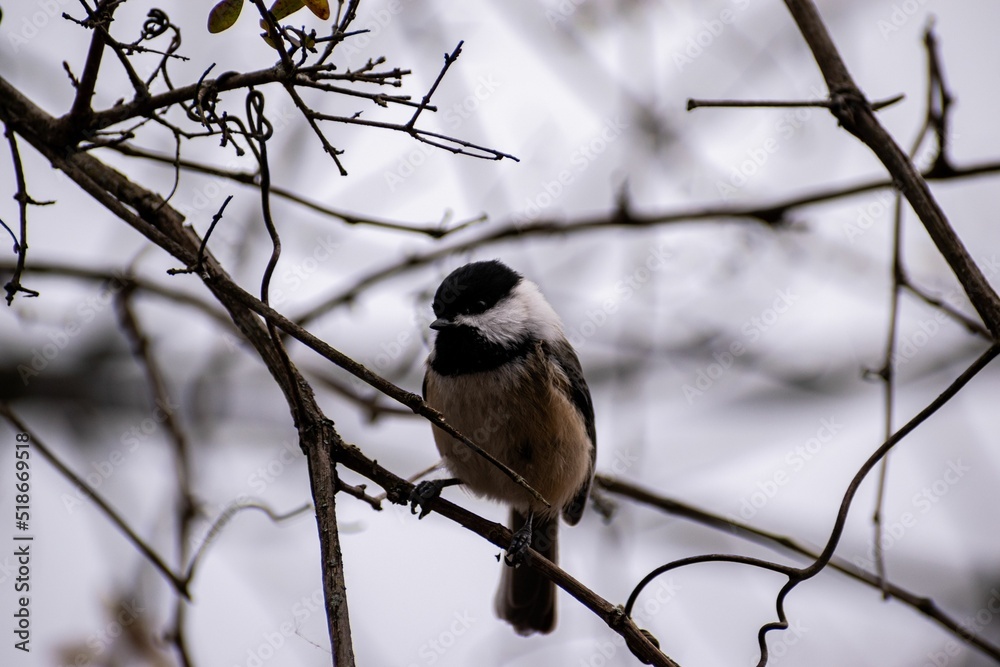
(435, 230)
(99, 180)
(80, 111)
(933, 118)
(359, 493)
(126, 282)
(178, 584)
(13, 286)
(260, 132)
(693, 104)
(160, 398)
(310, 117)
(888, 376)
(315, 433)
(373, 404)
(798, 575)
(674, 507)
(227, 514)
(855, 114)
(398, 491)
(971, 325)
(443, 141)
(774, 214)
(200, 262)
(449, 59)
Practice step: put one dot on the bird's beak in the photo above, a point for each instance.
(441, 323)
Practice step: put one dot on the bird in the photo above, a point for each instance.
(502, 372)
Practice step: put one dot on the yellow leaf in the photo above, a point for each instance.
(224, 15)
(282, 8)
(321, 8)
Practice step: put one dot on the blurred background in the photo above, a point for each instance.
(726, 358)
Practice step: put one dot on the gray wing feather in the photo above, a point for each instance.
(563, 354)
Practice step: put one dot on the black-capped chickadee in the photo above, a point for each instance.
(502, 372)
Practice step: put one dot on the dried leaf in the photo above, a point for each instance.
(224, 15)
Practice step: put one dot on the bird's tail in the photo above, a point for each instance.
(526, 599)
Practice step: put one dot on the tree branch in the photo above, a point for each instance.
(922, 604)
(160, 223)
(154, 558)
(433, 230)
(398, 491)
(855, 114)
(772, 214)
(798, 575)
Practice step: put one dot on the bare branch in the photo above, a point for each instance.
(855, 114)
(81, 108)
(775, 215)
(693, 104)
(797, 575)
(185, 502)
(434, 230)
(127, 281)
(398, 491)
(451, 144)
(13, 286)
(227, 514)
(178, 584)
(449, 59)
(922, 604)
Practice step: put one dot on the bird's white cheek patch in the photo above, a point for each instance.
(503, 325)
(523, 314)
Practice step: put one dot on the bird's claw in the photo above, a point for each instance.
(519, 543)
(423, 492)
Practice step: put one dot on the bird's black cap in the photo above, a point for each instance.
(474, 288)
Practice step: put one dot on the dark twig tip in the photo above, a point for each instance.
(882, 104)
(772, 217)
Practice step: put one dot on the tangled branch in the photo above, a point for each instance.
(202, 109)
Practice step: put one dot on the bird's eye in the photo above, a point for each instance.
(481, 304)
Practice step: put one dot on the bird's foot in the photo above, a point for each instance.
(519, 543)
(427, 491)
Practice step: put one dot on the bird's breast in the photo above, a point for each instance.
(520, 413)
